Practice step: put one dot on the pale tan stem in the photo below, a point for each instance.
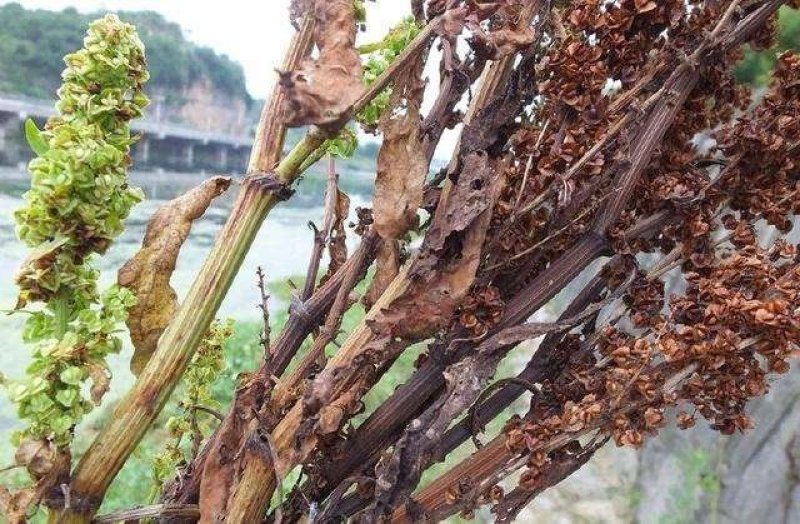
(134, 414)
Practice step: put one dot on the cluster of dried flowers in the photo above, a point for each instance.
(578, 172)
(556, 179)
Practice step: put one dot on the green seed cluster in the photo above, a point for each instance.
(380, 56)
(79, 193)
(203, 372)
(78, 200)
(53, 399)
(343, 145)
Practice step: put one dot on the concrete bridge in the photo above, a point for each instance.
(163, 145)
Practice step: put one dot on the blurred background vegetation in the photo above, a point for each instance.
(756, 67)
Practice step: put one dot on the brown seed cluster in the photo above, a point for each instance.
(481, 311)
(711, 348)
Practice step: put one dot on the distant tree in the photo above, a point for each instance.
(34, 42)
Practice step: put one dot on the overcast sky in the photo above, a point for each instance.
(252, 32)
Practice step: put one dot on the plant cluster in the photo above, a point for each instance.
(559, 186)
(78, 200)
(197, 398)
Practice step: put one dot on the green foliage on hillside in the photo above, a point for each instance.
(757, 66)
(34, 42)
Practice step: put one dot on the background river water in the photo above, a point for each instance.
(282, 248)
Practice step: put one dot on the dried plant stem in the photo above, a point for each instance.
(264, 307)
(306, 316)
(257, 483)
(286, 391)
(321, 236)
(112, 447)
(187, 511)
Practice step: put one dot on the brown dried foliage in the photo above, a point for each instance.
(402, 165)
(551, 174)
(325, 88)
(147, 274)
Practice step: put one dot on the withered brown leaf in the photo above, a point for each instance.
(324, 89)
(38, 456)
(402, 161)
(446, 264)
(219, 470)
(47, 464)
(147, 274)
(101, 381)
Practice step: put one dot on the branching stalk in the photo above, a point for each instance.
(112, 447)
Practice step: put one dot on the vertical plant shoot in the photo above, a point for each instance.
(76, 206)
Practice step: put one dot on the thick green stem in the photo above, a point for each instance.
(138, 409)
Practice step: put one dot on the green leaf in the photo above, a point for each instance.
(35, 139)
(72, 375)
(67, 397)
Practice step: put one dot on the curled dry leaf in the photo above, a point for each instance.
(464, 205)
(147, 274)
(402, 162)
(101, 381)
(399, 186)
(447, 261)
(337, 248)
(324, 89)
(38, 456)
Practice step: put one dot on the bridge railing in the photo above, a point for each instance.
(25, 107)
